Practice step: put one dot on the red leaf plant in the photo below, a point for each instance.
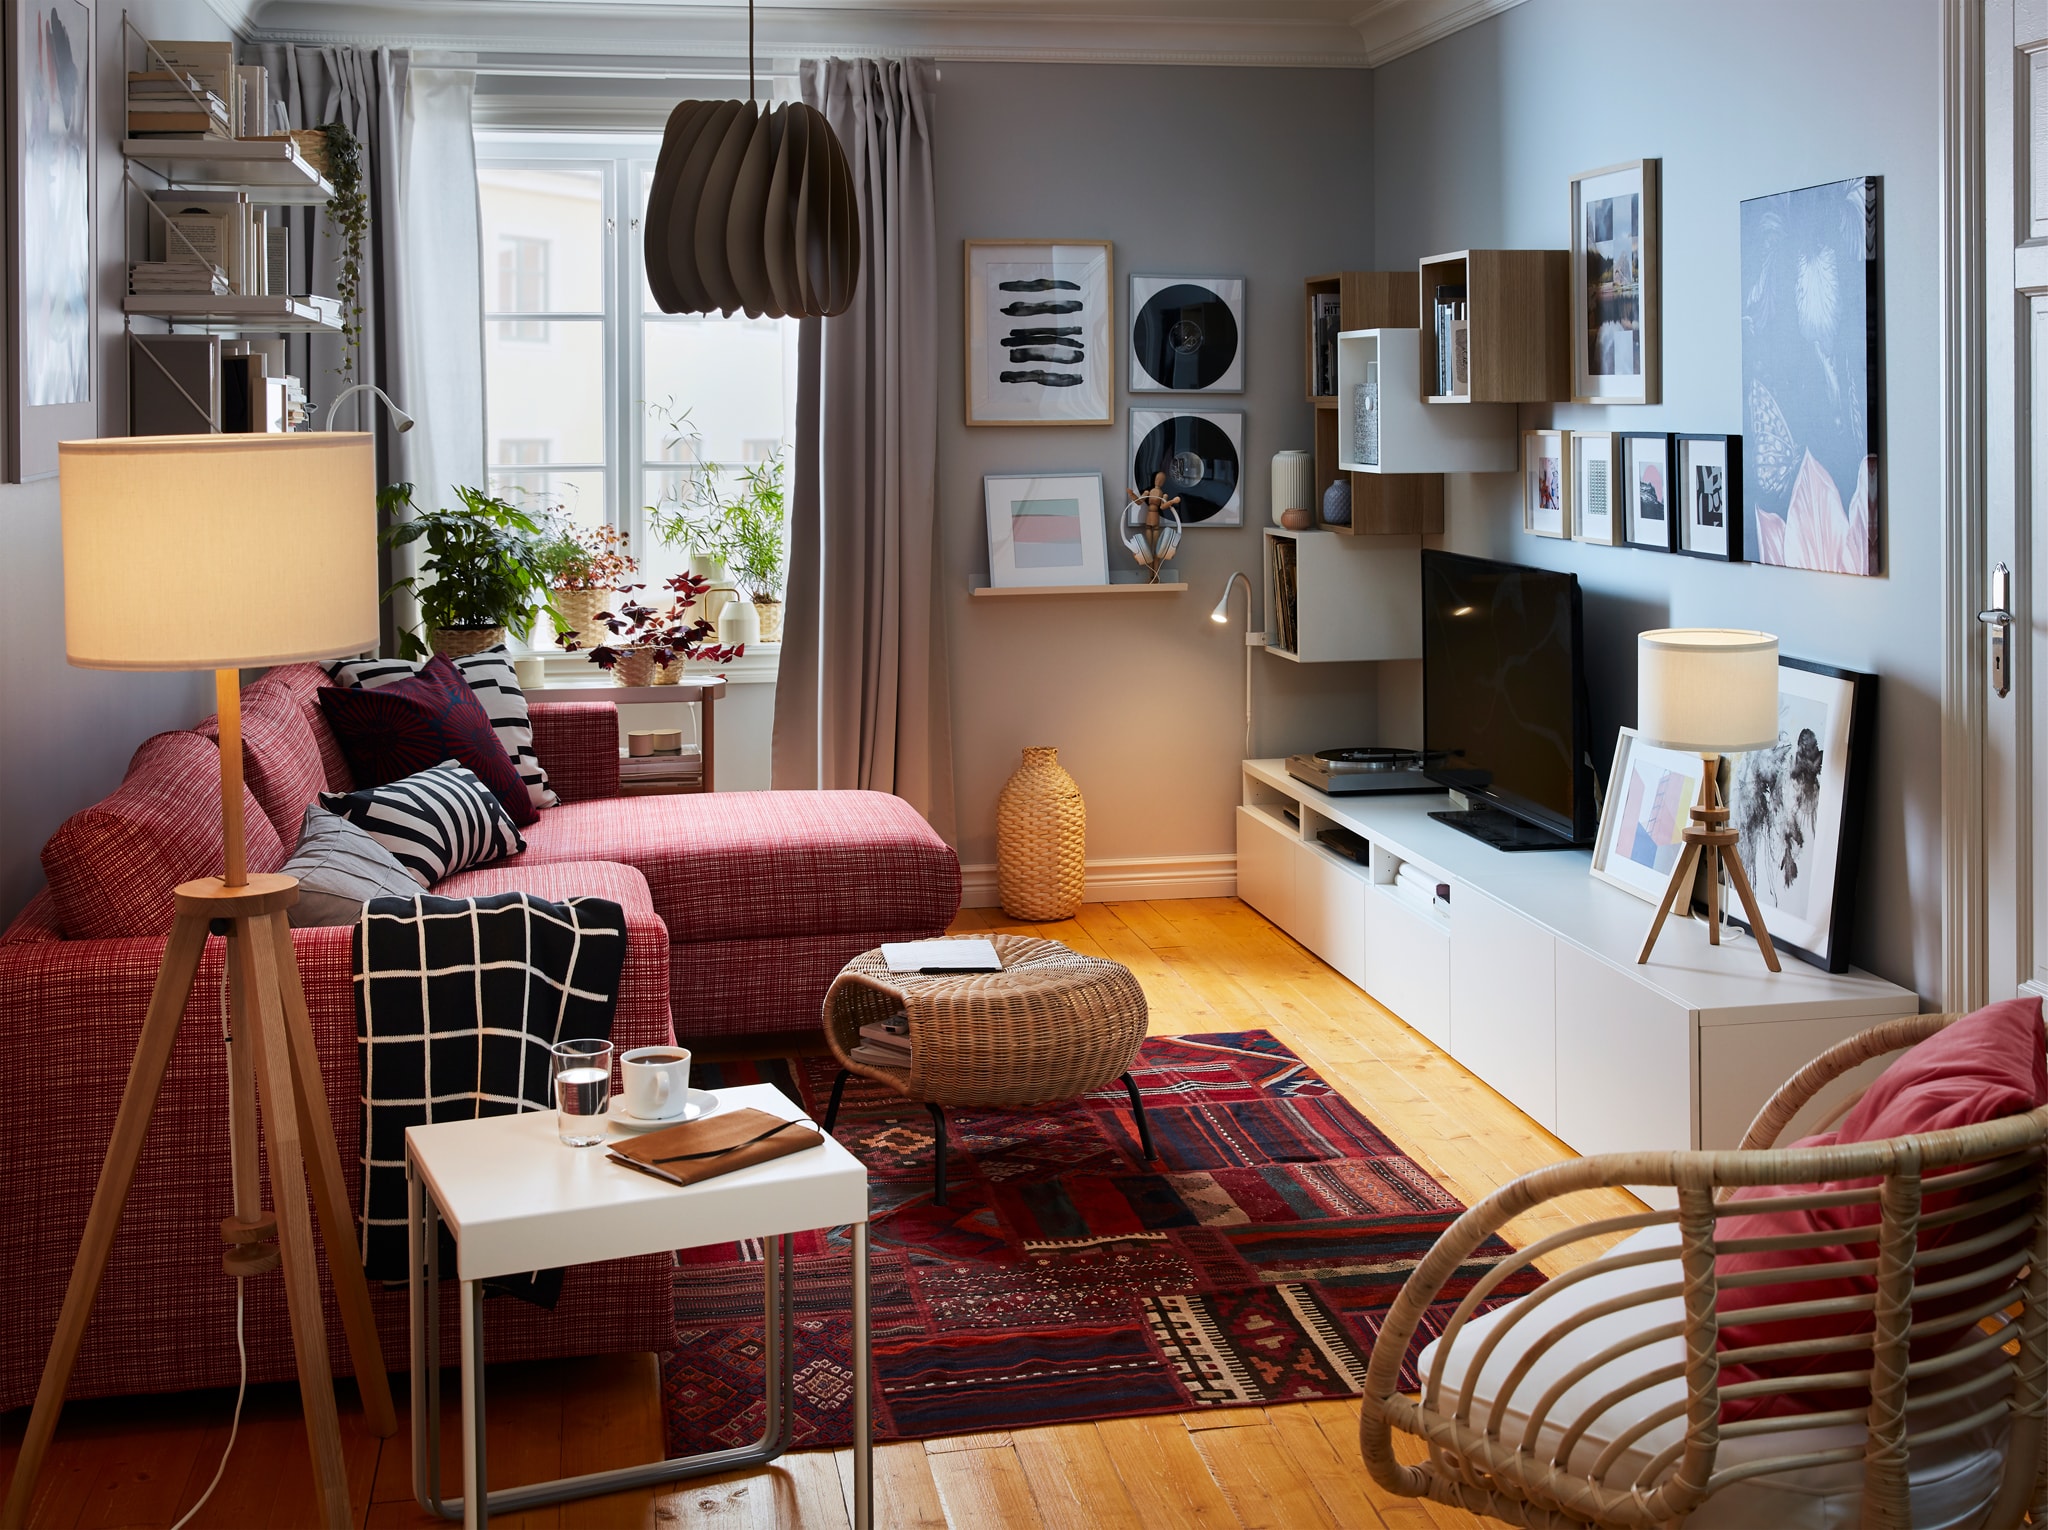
(670, 634)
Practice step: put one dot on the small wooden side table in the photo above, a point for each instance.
(700, 690)
(516, 1199)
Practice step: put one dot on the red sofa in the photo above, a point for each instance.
(740, 909)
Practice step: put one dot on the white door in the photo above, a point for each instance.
(2011, 955)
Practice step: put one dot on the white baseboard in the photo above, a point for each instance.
(1126, 881)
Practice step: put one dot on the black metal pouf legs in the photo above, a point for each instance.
(1138, 1110)
(838, 1092)
(938, 1153)
(939, 1128)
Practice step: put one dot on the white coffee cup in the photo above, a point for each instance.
(657, 1082)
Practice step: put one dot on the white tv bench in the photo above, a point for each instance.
(1528, 975)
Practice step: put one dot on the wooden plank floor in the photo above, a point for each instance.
(1207, 965)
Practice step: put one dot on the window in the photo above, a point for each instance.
(599, 403)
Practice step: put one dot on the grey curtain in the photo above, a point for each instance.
(862, 698)
(364, 89)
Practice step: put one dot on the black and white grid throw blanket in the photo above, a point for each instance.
(458, 1001)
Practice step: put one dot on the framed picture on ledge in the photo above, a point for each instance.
(1797, 809)
(1045, 529)
(1650, 793)
(1546, 480)
(1039, 330)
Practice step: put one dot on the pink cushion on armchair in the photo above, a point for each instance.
(1988, 1065)
(113, 867)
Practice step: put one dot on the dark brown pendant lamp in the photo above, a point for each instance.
(752, 212)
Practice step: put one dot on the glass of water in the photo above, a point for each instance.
(583, 1086)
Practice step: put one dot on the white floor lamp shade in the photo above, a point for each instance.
(218, 551)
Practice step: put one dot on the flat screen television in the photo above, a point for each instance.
(1504, 711)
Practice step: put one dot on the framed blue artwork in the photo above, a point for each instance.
(1813, 376)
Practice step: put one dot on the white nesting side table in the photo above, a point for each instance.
(516, 1200)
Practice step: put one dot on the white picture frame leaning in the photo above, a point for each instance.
(1596, 516)
(1546, 483)
(1045, 530)
(1060, 368)
(1649, 801)
(1204, 326)
(1616, 260)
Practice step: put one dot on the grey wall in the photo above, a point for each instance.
(1475, 139)
(66, 734)
(1264, 174)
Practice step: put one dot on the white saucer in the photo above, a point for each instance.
(701, 1103)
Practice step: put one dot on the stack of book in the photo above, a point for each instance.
(1329, 307)
(1453, 356)
(169, 103)
(220, 228)
(177, 276)
(1283, 595)
(885, 1044)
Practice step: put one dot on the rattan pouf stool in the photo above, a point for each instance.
(1053, 1025)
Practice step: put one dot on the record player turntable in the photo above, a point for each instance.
(1361, 772)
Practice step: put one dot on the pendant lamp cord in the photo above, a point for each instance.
(750, 52)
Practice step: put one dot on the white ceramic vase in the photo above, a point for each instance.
(739, 623)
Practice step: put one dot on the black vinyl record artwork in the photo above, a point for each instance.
(1200, 456)
(1187, 334)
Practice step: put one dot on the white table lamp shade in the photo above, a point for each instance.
(218, 551)
(1707, 690)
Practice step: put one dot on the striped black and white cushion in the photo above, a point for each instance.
(496, 683)
(436, 823)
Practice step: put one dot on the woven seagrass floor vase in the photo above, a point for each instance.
(1041, 840)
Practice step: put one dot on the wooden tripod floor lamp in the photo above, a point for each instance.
(226, 552)
(1708, 691)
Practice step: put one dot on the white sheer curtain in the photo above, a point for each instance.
(440, 287)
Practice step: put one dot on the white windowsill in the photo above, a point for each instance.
(759, 665)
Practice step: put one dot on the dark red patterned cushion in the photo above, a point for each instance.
(402, 729)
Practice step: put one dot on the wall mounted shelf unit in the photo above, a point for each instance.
(1345, 598)
(1414, 438)
(1518, 315)
(230, 313)
(1385, 504)
(1530, 979)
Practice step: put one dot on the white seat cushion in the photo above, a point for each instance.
(1953, 1481)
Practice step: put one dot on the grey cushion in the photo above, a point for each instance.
(340, 868)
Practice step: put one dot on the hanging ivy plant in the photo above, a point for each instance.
(348, 216)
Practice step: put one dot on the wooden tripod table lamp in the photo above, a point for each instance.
(1708, 691)
(224, 552)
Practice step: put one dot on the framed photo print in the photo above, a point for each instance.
(1707, 496)
(1201, 454)
(1595, 516)
(1797, 809)
(1646, 491)
(1615, 334)
(1546, 479)
(50, 66)
(1813, 376)
(1039, 333)
(1187, 334)
(1650, 795)
(1045, 529)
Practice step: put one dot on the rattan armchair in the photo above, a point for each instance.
(1598, 1399)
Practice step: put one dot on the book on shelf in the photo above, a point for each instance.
(1284, 612)
(1328, 321)
(885, 1043)
(1449, 316)
(146, 277)
(211, 65)
(252, 117)
(276, 259)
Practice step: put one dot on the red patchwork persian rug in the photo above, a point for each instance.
(1069, 1280)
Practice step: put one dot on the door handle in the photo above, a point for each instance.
(1998, 618)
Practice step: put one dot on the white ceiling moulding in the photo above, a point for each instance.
(240, 15)
(1270, 33)
(1390, 28)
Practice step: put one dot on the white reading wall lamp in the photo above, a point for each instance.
(1252, 639)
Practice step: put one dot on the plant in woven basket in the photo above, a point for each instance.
(586, 566)
(348, 215)
(667, 634)
(482, 567)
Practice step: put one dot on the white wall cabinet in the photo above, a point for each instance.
(1530, 978)
(1352, 597)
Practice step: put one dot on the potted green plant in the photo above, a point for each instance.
(586, 566)
(757, 525)
(649, 644)
(482, 573)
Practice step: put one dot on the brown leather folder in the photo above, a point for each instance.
(718, 1144)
